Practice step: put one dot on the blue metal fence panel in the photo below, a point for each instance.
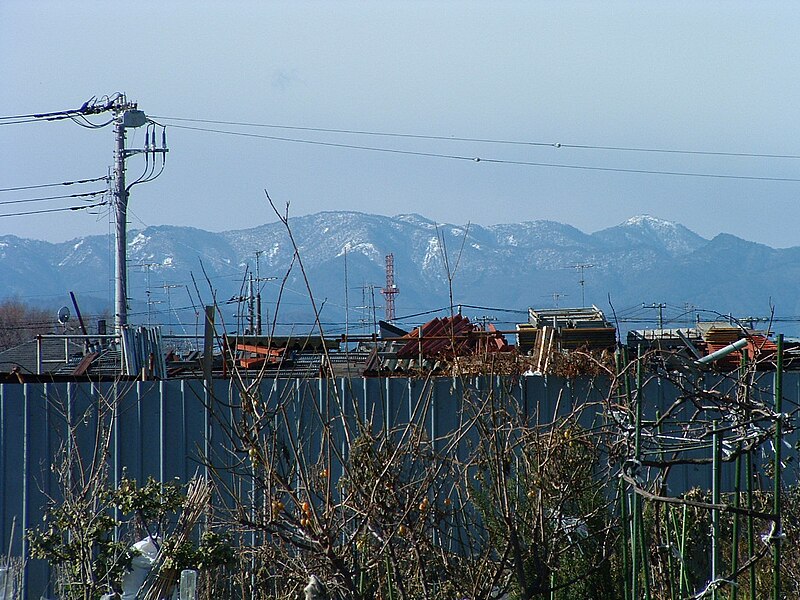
(162, 429)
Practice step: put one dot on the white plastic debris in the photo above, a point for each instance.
(314, 590)
(140, 567)
(188, 584)
(6, 584)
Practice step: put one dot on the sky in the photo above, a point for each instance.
(598, 88)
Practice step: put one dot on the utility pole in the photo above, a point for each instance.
(167, 287)
(127, 116)
(256, 299)
(147, 291)
(660, 306)
(258, 292)
(368, 306)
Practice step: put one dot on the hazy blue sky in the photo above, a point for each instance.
(702, 76)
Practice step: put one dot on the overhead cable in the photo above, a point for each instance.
(478, 159)
(35, 120)
(92, 106)
(511, 310)
(52, 210)
(47, 185)
(25, 200)
(487, 140)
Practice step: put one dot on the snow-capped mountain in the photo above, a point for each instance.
(175, 270)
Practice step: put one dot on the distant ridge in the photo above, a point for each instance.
(511, 266)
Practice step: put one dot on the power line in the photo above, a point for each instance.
(487, 140)
(51, 210)
(37, 119)
(641, 171)
(330, 144)
(47, 185)
(92, 106)
(45, 115)
(510, 310)
(478, 159)
(45, 198)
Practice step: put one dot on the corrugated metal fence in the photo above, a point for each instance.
(161, 429)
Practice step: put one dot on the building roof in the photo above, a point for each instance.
(25, 358)
(567, 317)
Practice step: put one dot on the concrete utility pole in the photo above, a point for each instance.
(127, 116)
(660, 306)
(258, 281)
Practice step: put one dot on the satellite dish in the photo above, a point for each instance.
(63, 315)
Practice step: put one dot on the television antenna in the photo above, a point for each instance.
(582, 281)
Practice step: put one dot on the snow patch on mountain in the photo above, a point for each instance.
(432, 254)
(661, 235)
(417, 220)
(364, 248)
(138, 242)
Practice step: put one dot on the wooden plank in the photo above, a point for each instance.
(259, 349)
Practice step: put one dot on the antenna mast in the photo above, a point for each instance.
(391, 290)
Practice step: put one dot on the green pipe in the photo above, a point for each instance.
(623, 498)
(626, 379)
(737, 485)
(635, 500)
(635, 554)
(645, 562)
(639, 407)
(389, 579)
(667, 529)
(715, 499)
(751, 535)
(627, 570)
(776, 494)
(737, 492)
(638, 517)
(683, 578)
(748, 468)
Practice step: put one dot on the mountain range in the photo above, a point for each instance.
(634, 271)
